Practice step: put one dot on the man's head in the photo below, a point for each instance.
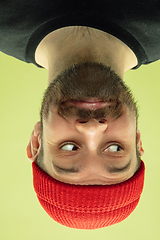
(87, 140)
(88, 133)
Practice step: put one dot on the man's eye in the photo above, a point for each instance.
(113, 148)
(70, 147)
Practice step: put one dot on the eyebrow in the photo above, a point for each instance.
(65, 170)
(122, 169)
(110, 169)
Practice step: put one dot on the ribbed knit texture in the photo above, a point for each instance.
(87, 207)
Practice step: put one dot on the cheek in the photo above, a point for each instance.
(56, 127)
(124, 128)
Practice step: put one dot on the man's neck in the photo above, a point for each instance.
(70, 45)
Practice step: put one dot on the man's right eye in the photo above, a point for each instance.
(69, 147)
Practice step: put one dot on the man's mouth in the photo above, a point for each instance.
(90, 104)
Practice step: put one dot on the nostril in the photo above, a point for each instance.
(82, 121)
(102, 121)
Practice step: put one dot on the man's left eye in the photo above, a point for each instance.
(69, 147)
(113, 148)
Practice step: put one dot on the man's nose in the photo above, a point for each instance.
(91, 126)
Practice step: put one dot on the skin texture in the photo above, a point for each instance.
(88, 132)
(94, 158)
(70, 45)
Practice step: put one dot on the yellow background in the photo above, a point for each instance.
(21, 216)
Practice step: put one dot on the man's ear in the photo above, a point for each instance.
(34, 145)
(139, 144)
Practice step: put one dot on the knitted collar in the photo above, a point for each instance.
(87, 207)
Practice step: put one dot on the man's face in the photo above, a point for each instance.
(89, 127)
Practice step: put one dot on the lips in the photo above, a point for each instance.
(89, 104)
